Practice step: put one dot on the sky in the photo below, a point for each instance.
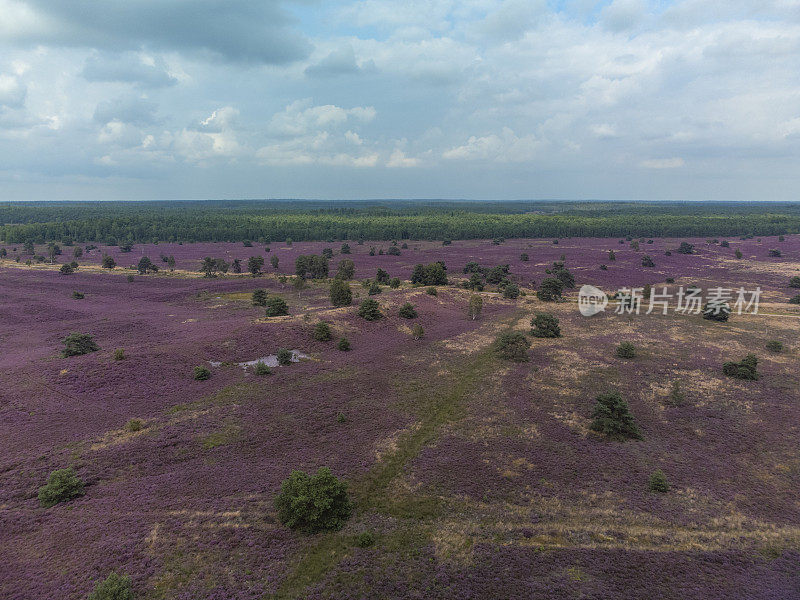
(483, 99)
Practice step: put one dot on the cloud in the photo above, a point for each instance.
(662, 163)
(127, 68)
(339, 62)
(12, 92)
(236, 30)
(622, 15)
(301, 117)
(126, 109)
(505, 147)
(398, 159)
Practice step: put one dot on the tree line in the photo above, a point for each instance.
(145, 222)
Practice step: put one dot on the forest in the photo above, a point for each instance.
(310, 220)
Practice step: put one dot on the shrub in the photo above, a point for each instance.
(119, 354)
(670, 280)
(774, 252)
(432, 274)
(322, 332)
(78, 295)
(382, 276)
(545, 325)
(369, 310)
(66, 269)
(717, 311)
(312, 503)
(108, 262)
(524, 257)
(374, 289)
(345, 249)
(794, 282)
(260, 297)
(725, 244)
(686, 248)
(612, 418)
(365, 539)
(432, 291)
(626, 350)
(511, 291)
(795, 299)
(676, 395)
(550, 290)
(76, 344)
(417, 331)
(341, 418)
(261, 369)
(134, 425)
(394, 282)
(130, 278)
(62, 485)
(745, 369)
(512, 345)
(284, 357)
(201, 373)
(738, 253)
(407, 311)
(276, 307)
(658, 482)
(113, 587)
(341, 294)
(393, 251)
(775, 346)
(343, 345)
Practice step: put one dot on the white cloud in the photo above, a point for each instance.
(398, 159)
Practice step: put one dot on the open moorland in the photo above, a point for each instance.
(471, 476)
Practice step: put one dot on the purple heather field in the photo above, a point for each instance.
(477, 478)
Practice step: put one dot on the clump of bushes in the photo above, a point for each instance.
(261, 369)
(284, 357)
(432, 291)
(276, 307)
(394, 283)
(612, 418)
(794, 282)
(512, 345)
(407, 311)
(365, 539)
(795, 299)
(119, 354)
(76, 295)
(322, 332)
(417, 331)
(343, 345)
(312, 503)
(774, 252)
(511, 291)
(113, 587)
(626, 350)
(66, 269)
(775, 346)
(686, 248)
(545, 325)
(745, 369)
(76, 344)
(134, 425)
(647, 261)
(717, 311)
(201, 373)
(374, 289)
(369, 310)
(61, 486)
(658, 482)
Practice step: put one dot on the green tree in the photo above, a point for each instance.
(369, 310)
(146, 265)
(511, 291)
(260, 297)
(113, 587)
(284, 357)
(62, 485)
(612, 418)
(545, 325)
(550, 290)
(273, 260)
(340, 293)
(255, 264)
(512, 345)
(108, 262)
(346, 269)
(407, 311)
(76, 344)
(201, 373)
(475, 307)
(322, 332)
(343, 345)
(658, 482)
(276, 307)
(626, 350)
(312, 503)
